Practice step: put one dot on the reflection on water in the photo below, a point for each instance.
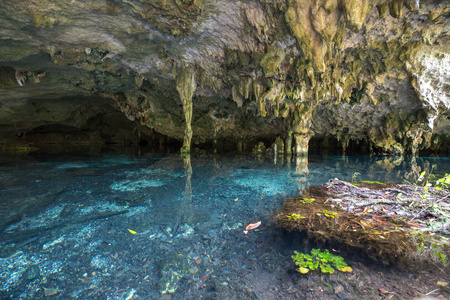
(121, 227)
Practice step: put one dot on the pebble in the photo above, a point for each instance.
(338, 289)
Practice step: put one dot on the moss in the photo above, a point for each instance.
(330, 6)
(298, 18)
(396, 8)
(162, 54)
(244, 58)
(354, 67)
(382, 9)
(339, 36)
(262, 108)
(384, 97)
(44, 21)
(259, 149)
(17, 148)
(293, 93)
(285, 111)
(323, 94)
(276, 111)
(375, 61)
(356, 11)
(232, 58)
(408, 51)
(272, 60)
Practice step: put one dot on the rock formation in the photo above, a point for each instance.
(226, 74)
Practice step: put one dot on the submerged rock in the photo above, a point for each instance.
(172, 272)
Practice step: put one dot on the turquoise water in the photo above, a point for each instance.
(120, 227)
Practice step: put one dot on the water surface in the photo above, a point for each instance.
(121, 227)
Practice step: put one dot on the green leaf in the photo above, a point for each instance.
(326, 256)
(323, 259)
(315, 252)
(316, 265)
(308, 257)
(325, 268)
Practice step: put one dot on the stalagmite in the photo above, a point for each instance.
(240, 146)
(186, 86)
(288, 144)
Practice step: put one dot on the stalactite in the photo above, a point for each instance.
(186, 86)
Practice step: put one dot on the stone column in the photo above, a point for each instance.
(301, 144)
(186, 86)
(301, 165)
(301, 124)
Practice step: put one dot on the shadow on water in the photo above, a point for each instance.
(121, 227)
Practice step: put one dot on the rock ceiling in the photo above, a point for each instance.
(237, 72)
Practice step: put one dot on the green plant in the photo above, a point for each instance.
(329, 214)
(443, 183)
(307, 200)
(294, 217)
(371, 182)
(354, 176)
(324, 260)
(421, 246)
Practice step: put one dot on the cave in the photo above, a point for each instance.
(146, 146)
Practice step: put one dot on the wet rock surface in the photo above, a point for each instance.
(98, 72)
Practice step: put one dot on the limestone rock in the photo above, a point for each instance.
(369, 71)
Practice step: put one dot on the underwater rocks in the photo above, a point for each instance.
(225, 75)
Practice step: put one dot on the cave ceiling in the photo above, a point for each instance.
(237, 71)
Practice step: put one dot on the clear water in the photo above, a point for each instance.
(120, 227)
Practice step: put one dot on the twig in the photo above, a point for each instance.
(428, 206)
(429, 293)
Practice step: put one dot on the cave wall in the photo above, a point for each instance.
(223, 73)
